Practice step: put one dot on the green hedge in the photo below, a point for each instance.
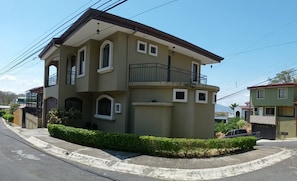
(151, 145)
(8, 117)
(2, 112)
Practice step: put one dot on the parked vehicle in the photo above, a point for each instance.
(241, 132)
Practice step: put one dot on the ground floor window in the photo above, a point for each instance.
(201, 96)
(180, 95)
(104, 107)
(286, 111)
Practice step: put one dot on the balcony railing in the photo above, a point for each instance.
(155, 72)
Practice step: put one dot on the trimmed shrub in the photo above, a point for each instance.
(2, 112)
(8, 117)
(151, 145)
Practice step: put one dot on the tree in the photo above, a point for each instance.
(7, 98)
(234, 105)
(285, 76)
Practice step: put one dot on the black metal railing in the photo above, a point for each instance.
(155, 72)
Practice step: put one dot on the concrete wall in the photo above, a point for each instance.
(18, 115)
(286, 125)
(32, 121)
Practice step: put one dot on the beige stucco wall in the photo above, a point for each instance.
(119, 124)
(189, 119)
(286, 125)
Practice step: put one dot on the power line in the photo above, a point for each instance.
(261, 48)
(36, 47)
(237, 92)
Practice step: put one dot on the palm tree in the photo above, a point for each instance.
(234, 105)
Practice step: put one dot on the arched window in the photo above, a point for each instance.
(106, 57)
(104, 107)
(74, 103)
(52, 75)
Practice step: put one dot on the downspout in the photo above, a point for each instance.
(129, 128)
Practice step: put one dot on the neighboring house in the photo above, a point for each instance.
(244, 111)
(223, 113)
(29, 114)
(128, 77)
(274, 110)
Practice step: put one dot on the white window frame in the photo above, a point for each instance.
(201, 92)
(84, 63)
(185, 91)
(150, 50)
(118, 108)
(258, 93)
(109, 68)
(197, 73)
(214, 98)
(138, 46)
(110, 117)
(285, 93)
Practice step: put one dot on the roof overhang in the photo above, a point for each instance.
(86, 26)
(273, 86)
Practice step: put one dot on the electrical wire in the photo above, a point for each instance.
(16, 63)
(36, 47)
(237, 92)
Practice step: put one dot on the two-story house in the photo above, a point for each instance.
(128, 77)
(274, 113)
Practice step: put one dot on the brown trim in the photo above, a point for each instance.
(274, 85)
(119, 21)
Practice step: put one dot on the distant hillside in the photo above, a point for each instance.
(7, 97)
(221, 108)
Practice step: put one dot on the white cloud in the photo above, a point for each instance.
(19, 85)
(8, 78)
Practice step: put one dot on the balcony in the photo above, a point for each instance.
(155, 72)
(271, 120)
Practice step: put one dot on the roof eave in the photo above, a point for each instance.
(119, 21)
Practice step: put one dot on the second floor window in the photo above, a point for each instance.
(195, 72)
(282, 93)
(260, 94)
(81, 62)
(269, 111)
(106, 57)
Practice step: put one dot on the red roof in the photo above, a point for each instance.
(274, 85)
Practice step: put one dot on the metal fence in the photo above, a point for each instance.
(155, 72)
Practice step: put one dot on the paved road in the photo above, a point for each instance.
(284, 170)
(20, 161)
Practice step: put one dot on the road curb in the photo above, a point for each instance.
(158, 172)
(163, 173)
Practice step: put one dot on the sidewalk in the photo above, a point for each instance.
(156, 167)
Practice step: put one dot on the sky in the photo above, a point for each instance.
(257, 38)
